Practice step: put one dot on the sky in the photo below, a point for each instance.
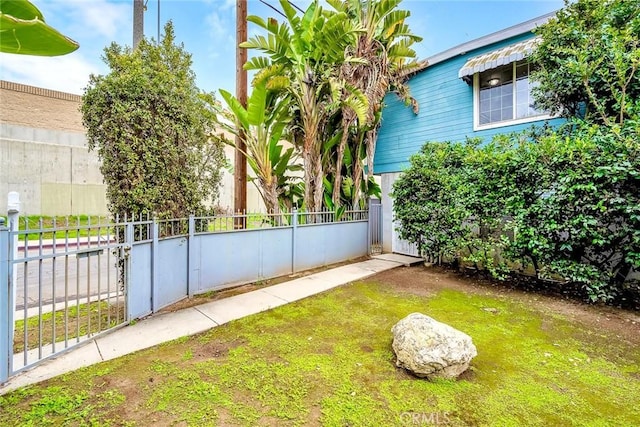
(207, 30)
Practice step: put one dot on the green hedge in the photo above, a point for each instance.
(563, 203)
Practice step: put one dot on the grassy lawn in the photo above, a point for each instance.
(77, 226)
(327, 360)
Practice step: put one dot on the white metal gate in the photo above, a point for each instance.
(402, 246)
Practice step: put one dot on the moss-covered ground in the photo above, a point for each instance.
(327, 360)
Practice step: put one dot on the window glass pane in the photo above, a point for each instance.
(522, 110)
(522, 70)
(496, 77)
(524, 99)
(497, 87)
(496, 95)
(495, 103)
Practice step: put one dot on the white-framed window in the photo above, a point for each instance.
(502, 97)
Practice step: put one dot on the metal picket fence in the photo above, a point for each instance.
(70, 281)
(67, 285)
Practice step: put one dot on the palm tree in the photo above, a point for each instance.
(385, 60)
(262, 125)
(303, 55)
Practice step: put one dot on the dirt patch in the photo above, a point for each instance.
(129, 388)
(366, 348)
(426, 281)
(214, 349)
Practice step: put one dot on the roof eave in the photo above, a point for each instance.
(483, 41)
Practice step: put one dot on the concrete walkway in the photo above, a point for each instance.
(189, 321)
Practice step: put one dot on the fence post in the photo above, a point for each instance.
(13, 216)
(128, 249)
(154, 262)
(191, 278)
(6, 331)
(294, 222)
(369, 227)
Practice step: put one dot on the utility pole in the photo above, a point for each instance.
(138, 22)
(240, 167)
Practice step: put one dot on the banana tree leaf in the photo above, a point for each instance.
(275, 150)
(347, 186)
(328, 202)
(283, 162)
(257, 105)
(236, 108)
(331, 142)
(347, 159)
(21, 9)
(23, 31)
(328, 185)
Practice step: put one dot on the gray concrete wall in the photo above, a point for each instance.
(44, 156)
(52, 170)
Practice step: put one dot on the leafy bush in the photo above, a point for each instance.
(589, 60)
(151, 127)
(565, 202)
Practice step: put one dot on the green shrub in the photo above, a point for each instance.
(565, 202)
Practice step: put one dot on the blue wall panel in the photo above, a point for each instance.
(446, 112)
(226, 258)
(139, 293)
(171, 279)
(277, 247)
(206, 262)
(325, 244)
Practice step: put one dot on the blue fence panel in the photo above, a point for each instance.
(310, 246)
(276, 247)
(323, 244)
(346, 241)
(139, 292)
(227, 258)
(170, 284)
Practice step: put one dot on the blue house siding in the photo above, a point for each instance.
(446, 112)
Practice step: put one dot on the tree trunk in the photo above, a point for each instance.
(371, 150)
(270, 193)
(318, 190)
(357, 176)
(308, 179)
(347, 118)
(311, 151)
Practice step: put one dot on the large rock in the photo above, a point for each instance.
(431, 349)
